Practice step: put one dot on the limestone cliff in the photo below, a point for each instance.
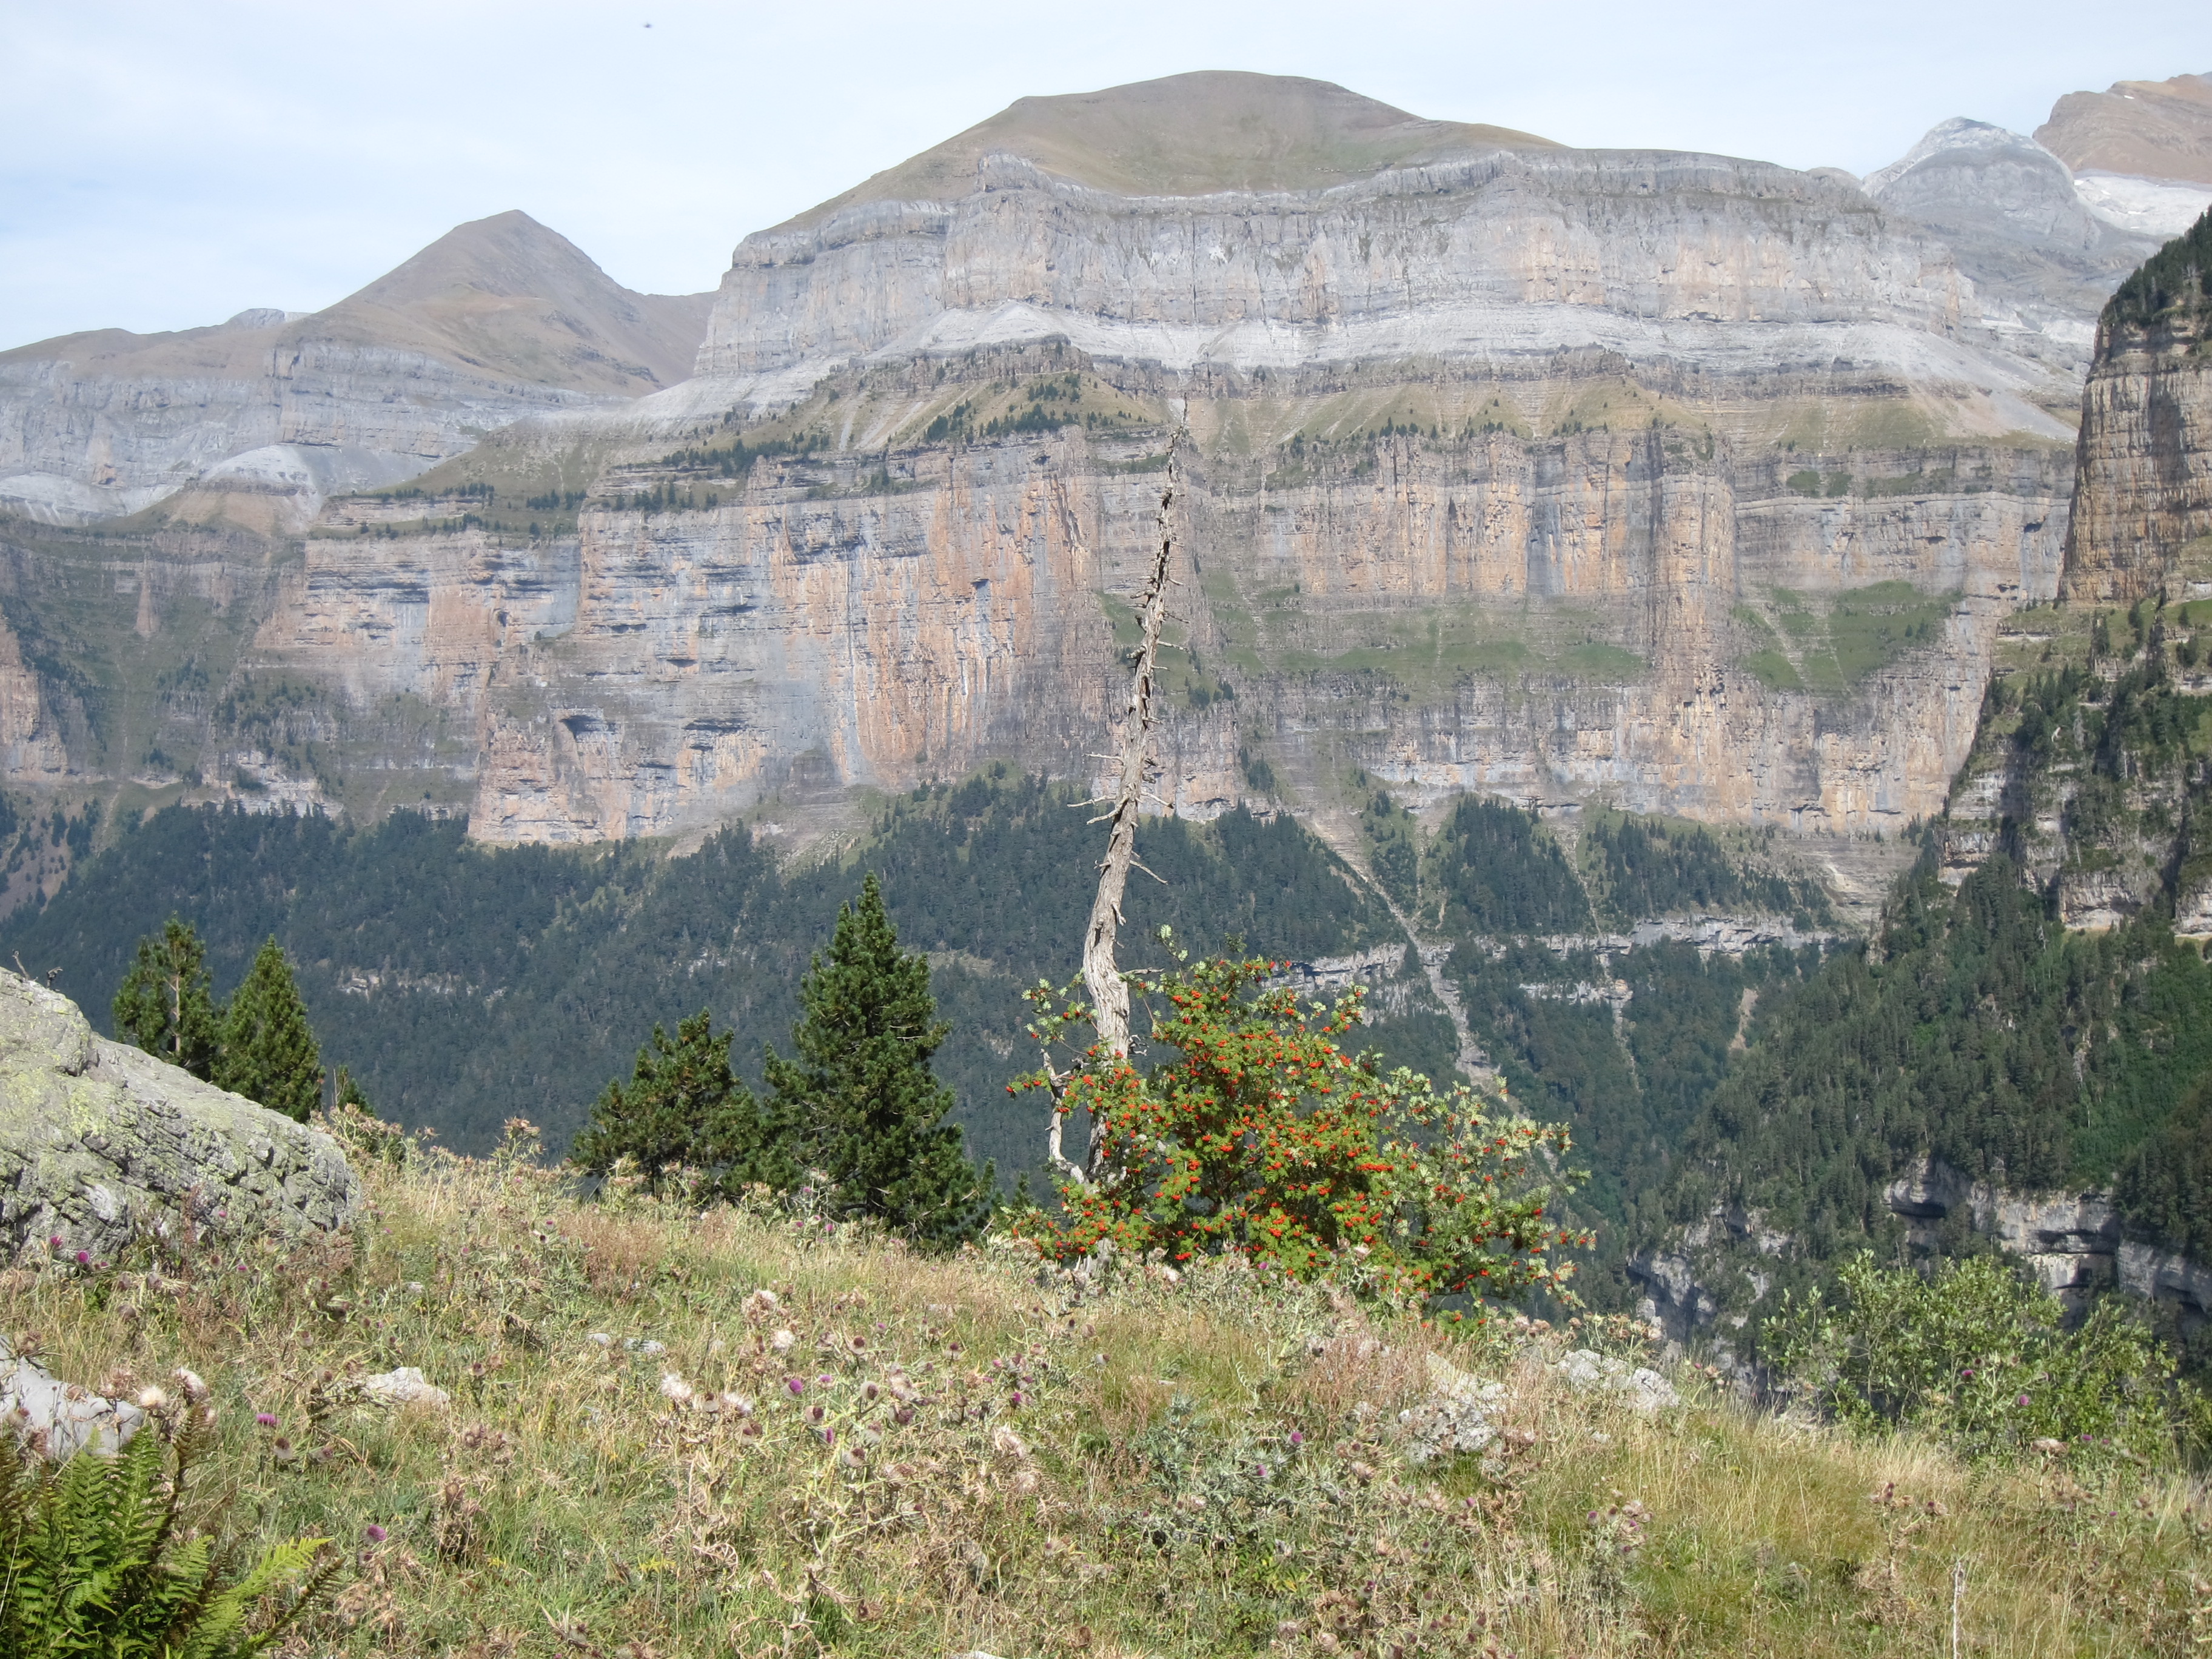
(1683, 483)
(2143, 511)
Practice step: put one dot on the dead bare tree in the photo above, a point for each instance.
(1102, 974)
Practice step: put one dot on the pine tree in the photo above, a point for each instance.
(167, 1006)
(269, 1052)
(685, 1108)
(351, 1093)
(859, 1092)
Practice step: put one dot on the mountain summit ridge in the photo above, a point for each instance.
(1198, 134)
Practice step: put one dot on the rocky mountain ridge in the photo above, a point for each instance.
(1678, 482)
(257, 420)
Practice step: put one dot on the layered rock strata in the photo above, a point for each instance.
(260, 418)
(1691, 484)
(2142, 516)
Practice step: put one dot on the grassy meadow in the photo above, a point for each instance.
(671, 1433)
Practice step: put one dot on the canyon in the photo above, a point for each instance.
(1680, 483)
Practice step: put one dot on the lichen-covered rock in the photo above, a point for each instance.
(1643, 1389)
(100, 1144)
(1454, 1416)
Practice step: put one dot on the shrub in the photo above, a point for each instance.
(96, 1558)
(1977, 1355)
(1258, 1133)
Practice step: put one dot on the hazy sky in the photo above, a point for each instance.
(163, 165)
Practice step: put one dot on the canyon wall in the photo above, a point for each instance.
(1680, 482)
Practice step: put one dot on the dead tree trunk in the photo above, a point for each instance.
(1102, 974)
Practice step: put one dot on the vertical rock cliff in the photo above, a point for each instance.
(2142, 515)
(1678, 482)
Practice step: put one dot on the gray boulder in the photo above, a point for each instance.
(101, 1143)
(58, 1419)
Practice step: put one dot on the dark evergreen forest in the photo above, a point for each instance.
(464, 984)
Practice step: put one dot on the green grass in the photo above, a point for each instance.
(1144, 1498)
(1831, 644)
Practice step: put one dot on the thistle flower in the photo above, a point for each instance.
(815, 1413)
(266, 1419)
(374, 1533)
(782, 1341)
(152, 1399)
(872, 1392)
(796, 1386)
(675, 1389)
(84, 1258)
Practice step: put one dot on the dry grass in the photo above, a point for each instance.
(1201, 1467)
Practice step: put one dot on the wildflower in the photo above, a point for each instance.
(195, 1390)
(55, 1242)
(902, 1416)
(871, 1391)
(782, 1341)
(675, 1389)
(796, 1385)
(84, 1258)
(815, 1413)
(1297, 1438)
(375, 1534)
(1015, 1398)
(2023, 1399)
(829, 1436)
(266, 1419)
(152, 1400)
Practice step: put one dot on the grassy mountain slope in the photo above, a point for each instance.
(1213, 1468)
(1186, 135)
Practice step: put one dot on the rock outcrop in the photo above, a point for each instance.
(2012, 215)
(101, 1144)
(2142, 511)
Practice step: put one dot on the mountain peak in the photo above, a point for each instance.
(509, 255)
(1188, 135)
(2139, 129)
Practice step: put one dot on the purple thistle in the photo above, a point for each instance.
(796, 1387)
(84, 1258)
(266, 1419)
(375, 1534)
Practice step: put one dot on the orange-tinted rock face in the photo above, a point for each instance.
(1557, 620)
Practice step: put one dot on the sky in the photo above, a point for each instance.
(164, 164)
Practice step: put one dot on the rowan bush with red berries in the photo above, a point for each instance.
(1254, 1130)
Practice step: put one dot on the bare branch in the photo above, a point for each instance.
(1102, 975)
